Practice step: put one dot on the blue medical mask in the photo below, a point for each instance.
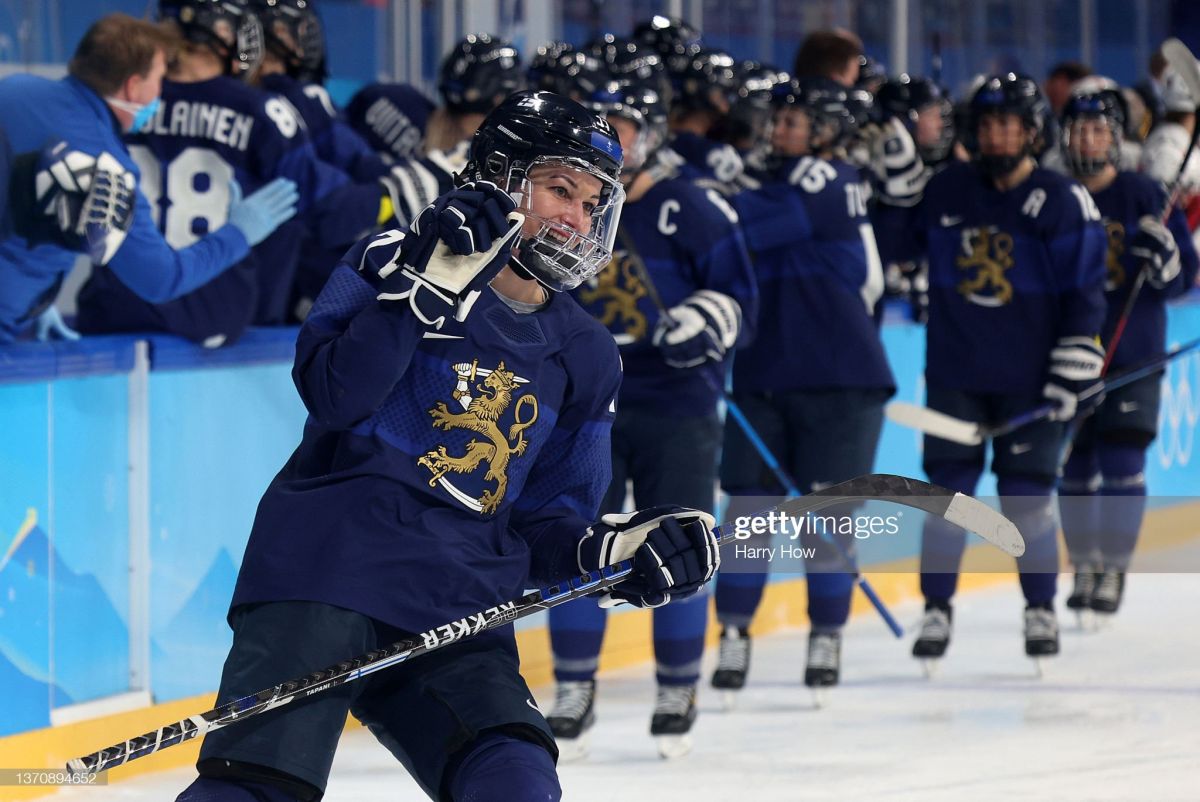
(142, 113)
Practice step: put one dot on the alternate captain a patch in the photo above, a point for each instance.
(485, 397)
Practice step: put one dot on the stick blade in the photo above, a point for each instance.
(1180, 59)
(975, 516)
(932, 422)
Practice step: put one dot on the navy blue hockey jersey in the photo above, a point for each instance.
(1009, 273)
(440, 472)
(1121, 203)
(391, 117)
(335, 141)
(688, 239)
(819, 276)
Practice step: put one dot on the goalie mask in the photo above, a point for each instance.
(536, 143)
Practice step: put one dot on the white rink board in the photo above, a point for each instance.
(1117, 717)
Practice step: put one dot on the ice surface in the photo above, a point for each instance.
(1116, 717)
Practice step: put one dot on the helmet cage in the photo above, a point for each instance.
(559, 257)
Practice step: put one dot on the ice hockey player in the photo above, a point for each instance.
(926, 114)
(1102, 496)
(1016, 283)
(678, 297)
(113, 87)
(814, 381)
(293, 66)
(441, 475)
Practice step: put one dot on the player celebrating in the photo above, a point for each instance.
(1016, 277)
(676, 298)
(814, 382)
(1103, 490)
(439, 475)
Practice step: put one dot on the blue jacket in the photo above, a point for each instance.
(35, 111)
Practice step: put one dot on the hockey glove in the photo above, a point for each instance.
(702, 328)
(1154, 245)
(674, 553)
(899, 170)
(82, 202)
(459, 241)
(1075, 365)
(264, 210)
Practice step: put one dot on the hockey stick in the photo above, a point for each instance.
(971, 433)
(962, 511)
(761, 447)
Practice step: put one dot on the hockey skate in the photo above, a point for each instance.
(934, 636)
(824, 664)
(1080, 599)
(733, 663)
(1106, 599)
(1041, 633)
(674, 713)
(572, 717)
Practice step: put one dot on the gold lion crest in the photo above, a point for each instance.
(618, 287)
(990, 252)
(481, 413)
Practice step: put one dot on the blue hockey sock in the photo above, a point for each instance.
(499, 766)
(1028, 504)
(1122, 503)
(741, 581)
(941, 543)
(738, 597)
(679, 640)
(576, 636)
(1079, 505)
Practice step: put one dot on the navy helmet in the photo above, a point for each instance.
(530, 130)
(1096, 98)
(479, 72)
(229, 28)
(292, 31)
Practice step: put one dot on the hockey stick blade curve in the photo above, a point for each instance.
(935, 423)
(959, 509)
(954, 507)
(975, 516)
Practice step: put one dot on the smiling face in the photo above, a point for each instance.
(564, 196)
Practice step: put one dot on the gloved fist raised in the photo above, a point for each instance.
(459, 241)
(674, 553)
